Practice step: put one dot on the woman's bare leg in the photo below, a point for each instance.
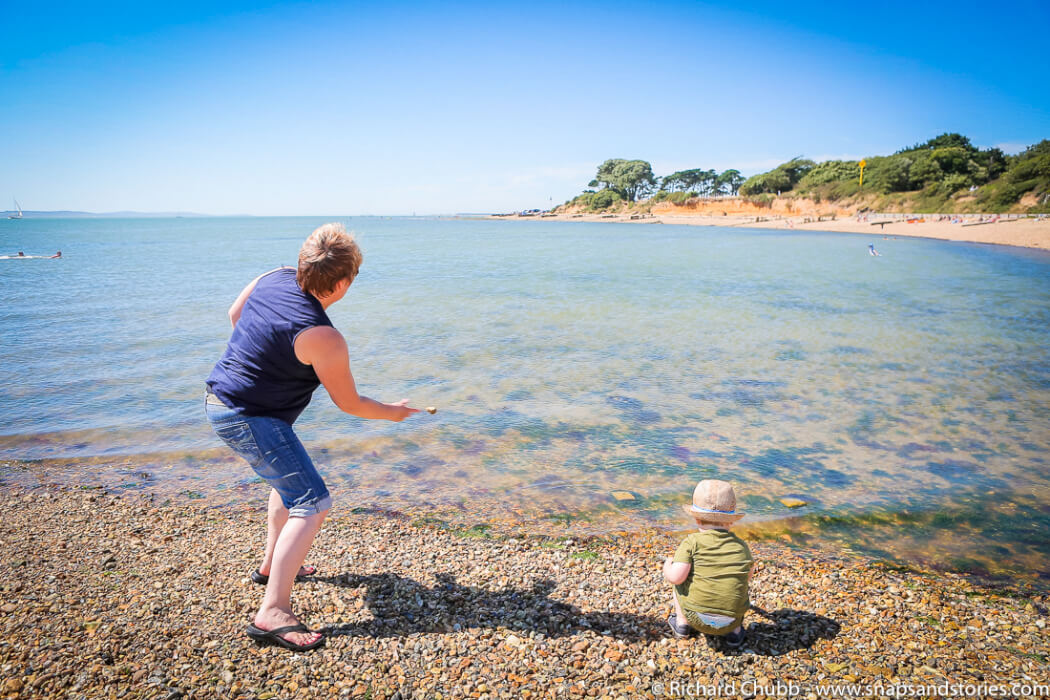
(293, 542)
(276, 518)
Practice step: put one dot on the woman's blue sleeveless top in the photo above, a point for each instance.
(259, 373)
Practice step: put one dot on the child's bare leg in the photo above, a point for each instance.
(678, 609)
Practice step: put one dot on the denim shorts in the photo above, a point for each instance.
(274, 451)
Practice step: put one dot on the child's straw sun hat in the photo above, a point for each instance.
(714, 501)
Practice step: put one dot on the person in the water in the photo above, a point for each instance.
(872, 251)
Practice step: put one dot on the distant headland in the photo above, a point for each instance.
(66, 214)
(944, 188)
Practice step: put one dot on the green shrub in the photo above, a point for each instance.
(953, 161)
(889, 173)
(1006, 194)
(943, 141)
(930, 200)
(603, 199)
(830, 171)
(778, 180)
(1033, 163)
(954, 183)
(595, 201)
(681, 197)
(673, 197)
(924, 171)
(846, 188)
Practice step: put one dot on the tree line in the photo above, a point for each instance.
(928, 176)
(932, 173)
(620, 180)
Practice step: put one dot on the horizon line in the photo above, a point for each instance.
(71, 214)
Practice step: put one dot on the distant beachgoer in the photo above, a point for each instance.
(57, 255)
(711, 569)
(871, 249)
(21, 254)
(282, 348)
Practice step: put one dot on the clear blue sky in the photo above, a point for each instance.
(345, 108)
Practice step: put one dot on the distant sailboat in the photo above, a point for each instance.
(19, 214)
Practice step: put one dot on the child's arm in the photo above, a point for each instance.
(676, 571)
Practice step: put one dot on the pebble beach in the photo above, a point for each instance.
(122, 595)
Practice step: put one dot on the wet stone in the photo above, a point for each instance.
(792, 502)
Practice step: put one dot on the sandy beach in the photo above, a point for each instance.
(1026, 233)
(110, 596)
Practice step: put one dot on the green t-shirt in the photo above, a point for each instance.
(717, 583)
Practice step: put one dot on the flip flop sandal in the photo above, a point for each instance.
(263, 580)
(274, 637)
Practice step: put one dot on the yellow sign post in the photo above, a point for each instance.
(862, 164)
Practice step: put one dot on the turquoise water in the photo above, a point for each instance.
(567, 360)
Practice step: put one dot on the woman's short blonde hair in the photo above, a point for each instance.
(329, 255)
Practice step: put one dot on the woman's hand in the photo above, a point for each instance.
(401, 410)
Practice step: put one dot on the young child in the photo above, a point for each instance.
(711, 569)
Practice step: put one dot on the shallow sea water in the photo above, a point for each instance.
(904, 397)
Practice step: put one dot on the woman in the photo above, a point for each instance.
(282, 348)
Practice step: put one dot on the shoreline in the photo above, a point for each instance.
(903, 537)
(128, 595)
(1023, 233)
